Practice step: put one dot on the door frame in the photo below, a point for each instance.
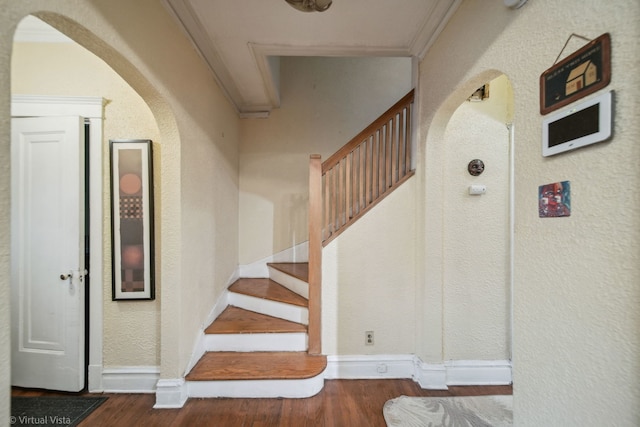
(91, 108)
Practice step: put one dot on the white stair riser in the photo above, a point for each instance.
(294, 284)
(277, 309)
(257, 388)
(256, 342)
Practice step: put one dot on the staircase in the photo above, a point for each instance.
(267, 342)
(258, 345)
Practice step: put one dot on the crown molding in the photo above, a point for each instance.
(33, 30)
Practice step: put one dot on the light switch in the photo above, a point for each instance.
(477, 189)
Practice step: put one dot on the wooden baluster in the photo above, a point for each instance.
(334, 200)
(375, 166)
(381, 165)
(347, 188)
(388, 176)
(356, 181)
(407, 140)
(402, 144)
(394, 150)
(361, 181)
(369, 171)
(363, 171)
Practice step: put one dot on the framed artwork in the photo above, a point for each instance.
(554, 200)
(132, 245)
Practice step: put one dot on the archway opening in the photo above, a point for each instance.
(477, 225)
(46, 62)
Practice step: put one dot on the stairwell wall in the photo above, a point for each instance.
(324, 103)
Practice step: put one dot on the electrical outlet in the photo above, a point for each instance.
(368, 338)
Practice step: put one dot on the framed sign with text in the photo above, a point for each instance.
(581, 73)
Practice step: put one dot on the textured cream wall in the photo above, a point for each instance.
(198, 162)
(368, 280)
(6, 40)
(576, 340)
(476, 230)
(131, 331)
(325, 103)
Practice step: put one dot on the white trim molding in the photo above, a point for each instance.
(370, 366)
(478, 372)
(130, 379)
(437, 376)
(200, 345)
(91, 108)
(171, 393)
(290, 389)
(33, 30)
(430, 376)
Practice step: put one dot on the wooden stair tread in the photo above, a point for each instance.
(234, 320)
(268, 289)
(299, 270)
(227, 366)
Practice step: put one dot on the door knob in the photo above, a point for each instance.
(66, 276)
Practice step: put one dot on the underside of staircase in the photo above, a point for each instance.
(258, 346)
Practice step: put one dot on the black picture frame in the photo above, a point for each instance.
(132, 227)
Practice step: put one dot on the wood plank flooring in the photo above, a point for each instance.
(342, 403)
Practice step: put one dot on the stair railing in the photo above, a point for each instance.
(351, 182)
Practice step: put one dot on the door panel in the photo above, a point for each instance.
(47, 253)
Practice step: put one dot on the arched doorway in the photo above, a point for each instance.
(37, 69)
(466, 270)
(476, 224)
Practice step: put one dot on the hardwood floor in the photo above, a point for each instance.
(341, 403)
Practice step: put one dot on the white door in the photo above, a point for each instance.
(47, 253)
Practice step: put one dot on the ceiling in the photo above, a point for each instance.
(242, 40)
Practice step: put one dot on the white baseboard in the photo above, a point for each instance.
(199, 347)
(429, 376)
(478, 372)
(129, 379)
(95, 379)
(298, 253)
(370, 366)
(291, 389)
(171, 393)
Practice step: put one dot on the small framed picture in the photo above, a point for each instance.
(554, 199)
(132, 245)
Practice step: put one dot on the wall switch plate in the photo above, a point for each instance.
(477, 189)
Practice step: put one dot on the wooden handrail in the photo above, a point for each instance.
(348, 184)
(367, 169)
(407, 100)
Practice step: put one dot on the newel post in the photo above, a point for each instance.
(315, 253)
